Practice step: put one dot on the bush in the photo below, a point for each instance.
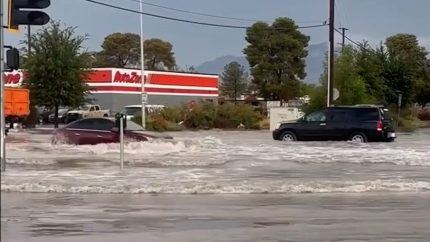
(202, 116)
(424, 114)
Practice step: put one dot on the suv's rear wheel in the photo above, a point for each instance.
(358, 137)
(288, 136)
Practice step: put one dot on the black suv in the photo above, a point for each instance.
(356, 123)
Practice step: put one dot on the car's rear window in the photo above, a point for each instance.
(385, 114)
(367, 114)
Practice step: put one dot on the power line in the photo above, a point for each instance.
(208, 14)
(352, 41)
(196, 13)
(186, 20)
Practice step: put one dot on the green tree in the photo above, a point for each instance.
(119, 50)
(56, 68)
(406, 63)
(234, 80)
(351, 86)
(123, 50)
(369, 66)
(159, 55)
(276, 55)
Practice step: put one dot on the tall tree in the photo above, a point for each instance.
(159, 55)
(123, 50)
(405, 65)
(276, 54)
(234, 80)
(56, 68)
(351, 86)
(119, 50)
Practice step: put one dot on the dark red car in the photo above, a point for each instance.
(93, 131)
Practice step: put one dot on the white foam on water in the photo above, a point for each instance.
(243, 187)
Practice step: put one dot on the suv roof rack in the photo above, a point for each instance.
(368, 105)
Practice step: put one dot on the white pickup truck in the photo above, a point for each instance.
(86, 111)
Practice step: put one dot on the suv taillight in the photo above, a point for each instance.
(379, 126)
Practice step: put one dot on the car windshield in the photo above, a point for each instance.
(84, 107)
(62, 111)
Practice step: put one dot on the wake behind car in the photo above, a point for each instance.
(93, 131)
(357, 123)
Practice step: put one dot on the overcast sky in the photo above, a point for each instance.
(372, 20)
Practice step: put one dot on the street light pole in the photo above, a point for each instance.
(144, 98)
(2, 99)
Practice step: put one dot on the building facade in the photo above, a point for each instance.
(114, 88)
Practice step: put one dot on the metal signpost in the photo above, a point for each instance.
(121, 141)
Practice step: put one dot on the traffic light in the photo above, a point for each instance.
(12, 59)
(21, 13)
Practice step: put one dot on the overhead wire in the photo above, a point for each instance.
(208, 14)
(351, 40)
(187, 20)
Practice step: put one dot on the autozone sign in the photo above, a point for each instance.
(13, 79)
(128, 77)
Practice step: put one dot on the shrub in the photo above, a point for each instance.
(203, 115)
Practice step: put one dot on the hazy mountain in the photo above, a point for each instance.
(314, 63)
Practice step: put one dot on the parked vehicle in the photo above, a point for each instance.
(91, 131)
(62, 115)
(136, 110)
(356, 123)
(16, 105)
(86, 111)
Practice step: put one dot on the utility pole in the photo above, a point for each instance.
(2, 121)
(330, 80)
(343, 36)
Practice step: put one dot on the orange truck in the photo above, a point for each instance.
(16, 104)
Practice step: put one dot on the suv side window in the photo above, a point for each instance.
(318, 116)
(91, 108)
(367, 114)
(336, 116)
(97, 108)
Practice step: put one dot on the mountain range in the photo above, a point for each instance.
(314, 63)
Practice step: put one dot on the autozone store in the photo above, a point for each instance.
(114, 88)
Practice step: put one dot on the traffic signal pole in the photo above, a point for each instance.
(2, 115)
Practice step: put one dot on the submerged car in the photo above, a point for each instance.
(355, 123)
(93, 131)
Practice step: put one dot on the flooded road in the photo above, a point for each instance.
(217, 186)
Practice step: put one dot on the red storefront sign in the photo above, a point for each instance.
(132, 77)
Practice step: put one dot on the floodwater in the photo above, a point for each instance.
(217, 186)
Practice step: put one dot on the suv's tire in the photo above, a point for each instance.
(358, 137)
(288, 136)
